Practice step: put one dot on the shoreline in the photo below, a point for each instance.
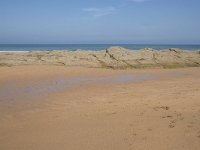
(95, 47)
(95, 50)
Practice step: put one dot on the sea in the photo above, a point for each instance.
(94, 47)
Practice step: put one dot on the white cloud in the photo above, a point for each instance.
(91, 9)
(98, 12)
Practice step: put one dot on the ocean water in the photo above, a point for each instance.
(33, 47)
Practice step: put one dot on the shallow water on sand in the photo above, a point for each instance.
(13, 92)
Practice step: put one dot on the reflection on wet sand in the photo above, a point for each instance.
(12, 91)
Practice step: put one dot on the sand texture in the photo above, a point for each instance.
(76, 108)
(114, 57)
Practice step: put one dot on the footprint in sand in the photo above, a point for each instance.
(198, 134)
(179, 117)
(189, 126)
(172, 123)
(168, 116)
(149, 130)
(134, 134)
(161, 107)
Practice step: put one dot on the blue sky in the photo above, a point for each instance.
(100, 21)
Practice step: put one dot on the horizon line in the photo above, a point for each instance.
(95, 44)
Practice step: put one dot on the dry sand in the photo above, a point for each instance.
(100, 109)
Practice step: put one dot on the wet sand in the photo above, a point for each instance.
(54, 107)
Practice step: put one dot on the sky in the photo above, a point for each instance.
(99, 22)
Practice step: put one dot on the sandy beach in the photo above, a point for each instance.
(73, 108)
(100, 75)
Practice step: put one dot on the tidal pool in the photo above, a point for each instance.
(12, 91)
